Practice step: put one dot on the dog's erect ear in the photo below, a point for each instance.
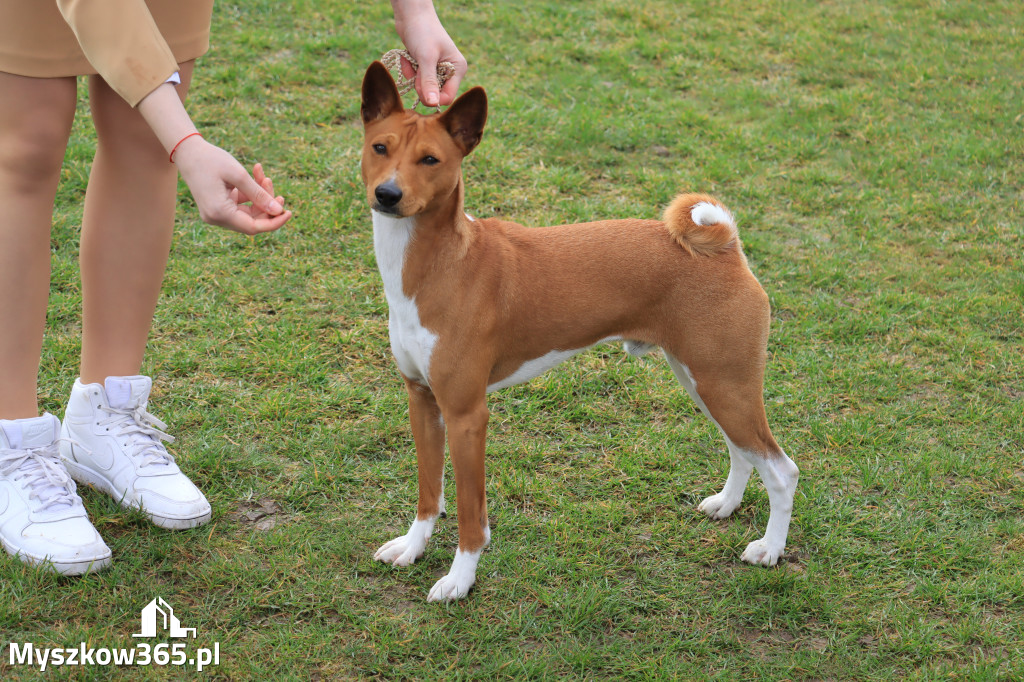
(465, 119)
(380, 95)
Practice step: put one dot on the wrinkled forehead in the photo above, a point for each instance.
(412, 132)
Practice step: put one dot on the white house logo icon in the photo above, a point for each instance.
(159, 612)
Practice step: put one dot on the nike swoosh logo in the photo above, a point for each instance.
(101, 458)
(38, 433)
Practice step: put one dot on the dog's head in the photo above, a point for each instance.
(412, 163)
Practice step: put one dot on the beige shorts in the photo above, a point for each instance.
(36, 41)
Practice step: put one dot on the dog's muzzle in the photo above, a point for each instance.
(388, 194)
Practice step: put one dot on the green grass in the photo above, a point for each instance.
(873, 155)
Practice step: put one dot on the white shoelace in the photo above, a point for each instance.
(41, 470)
(143, 430)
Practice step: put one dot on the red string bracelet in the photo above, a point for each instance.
(171, 157)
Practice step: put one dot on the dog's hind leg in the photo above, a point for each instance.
(780, 475)
(740, 416)
(723, 504)
(428, 433)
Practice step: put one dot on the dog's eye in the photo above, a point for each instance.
(380, 149)
(429, 161)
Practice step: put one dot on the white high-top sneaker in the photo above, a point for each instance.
(42, 520)
(110, 442)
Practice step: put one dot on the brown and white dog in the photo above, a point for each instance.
(478, 305)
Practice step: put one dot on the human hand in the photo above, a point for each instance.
(252, 209)
(428, 43)
(223, 189)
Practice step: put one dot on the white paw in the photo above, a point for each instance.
(404, 551)
(718, 506)
(400, 551)
(759, 552)
(450, 588)
(460, 578)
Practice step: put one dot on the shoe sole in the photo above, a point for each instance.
(79, 567)
(89, 477)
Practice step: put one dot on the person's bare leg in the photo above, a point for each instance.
(126, 234)
(35, 121)
(126, 238)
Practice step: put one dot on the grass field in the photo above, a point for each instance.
(873, 155)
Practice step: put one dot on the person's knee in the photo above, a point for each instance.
(32, 152)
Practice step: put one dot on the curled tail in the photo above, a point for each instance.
(701, 224)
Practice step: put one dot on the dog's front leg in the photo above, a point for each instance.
(428, 433)
(467, 434)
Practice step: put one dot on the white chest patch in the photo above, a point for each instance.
(411, 343)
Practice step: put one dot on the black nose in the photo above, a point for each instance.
(388, 194)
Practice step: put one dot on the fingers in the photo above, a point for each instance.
(408, 70)
(267, 212)
(426, 80)
(222, 187)
(450, 89)
(242, 222)
(429, 89)
(261, 197)
(426, 83)
(260, 177)
(266, 183)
